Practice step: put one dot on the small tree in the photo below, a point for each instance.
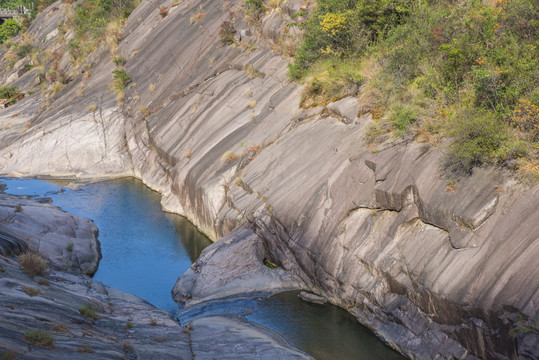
(9, 29)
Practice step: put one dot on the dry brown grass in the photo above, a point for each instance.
(85, 349)
(39, 337)
(33, 264)
(529, 170)
(30, 291)
(194, 19)
(229, 156)
(60, 328)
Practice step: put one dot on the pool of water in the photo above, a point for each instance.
(145, 250)
(326, 332)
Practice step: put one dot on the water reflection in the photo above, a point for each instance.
(324, 331)
(145, 249)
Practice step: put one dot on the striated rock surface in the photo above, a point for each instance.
(118, 326)
(68, 241)
(436, 272)
(233, 266)
(88, 320)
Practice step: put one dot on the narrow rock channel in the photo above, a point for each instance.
(141, 242)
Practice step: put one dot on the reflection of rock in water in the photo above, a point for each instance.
(191, 238)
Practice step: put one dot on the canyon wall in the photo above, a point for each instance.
(436, 272)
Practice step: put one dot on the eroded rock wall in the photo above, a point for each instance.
(218, 130)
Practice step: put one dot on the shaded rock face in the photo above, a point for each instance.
(436, 272)
(233, 266)
(69, 242)
(88, 320)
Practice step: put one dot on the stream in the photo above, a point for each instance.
(145, 250)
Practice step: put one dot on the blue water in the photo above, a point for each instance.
(145, 250)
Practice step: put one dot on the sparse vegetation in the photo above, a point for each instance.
(60, 328)
(89, 311)
(70, 246)
(39, 337)
(226, 33)
(195, 18)
(128, 325)
(119, 61)
(251, 72)
(121, 79)
(33, 264)
(31, 291)
(467, 70)
(85, 349)
(163, 11)
(229, 156)
(8, 356)
(8, 92)
(9, 29)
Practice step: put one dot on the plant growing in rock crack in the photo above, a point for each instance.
(39, 337)
(30, 291)
(163, 10)
(226, 33)
(8, 356)
(33, 264)
(121, 79)
(60, 328)
(70, 246)
(89, 311)
(85, 349)
(119, 61)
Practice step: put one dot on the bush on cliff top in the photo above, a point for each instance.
(432, 69)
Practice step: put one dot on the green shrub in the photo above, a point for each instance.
(339, 28)
(121, 79)
(8, 92)
(226, 33)
(24, 50)
(39, 337)
(478, 138)
(402, 117)
(9, 29)
(332, 79)
(119, 61)
(254, 7)
(89, 311)
(425, 61)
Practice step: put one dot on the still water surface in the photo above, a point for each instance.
(145, 250)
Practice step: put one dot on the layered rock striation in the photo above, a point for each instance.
(437, 272)
(61, 313)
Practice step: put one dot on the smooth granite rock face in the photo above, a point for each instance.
(437, 272)
(122, 326)
(116, 325)
(68, 241)
(232, 266)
